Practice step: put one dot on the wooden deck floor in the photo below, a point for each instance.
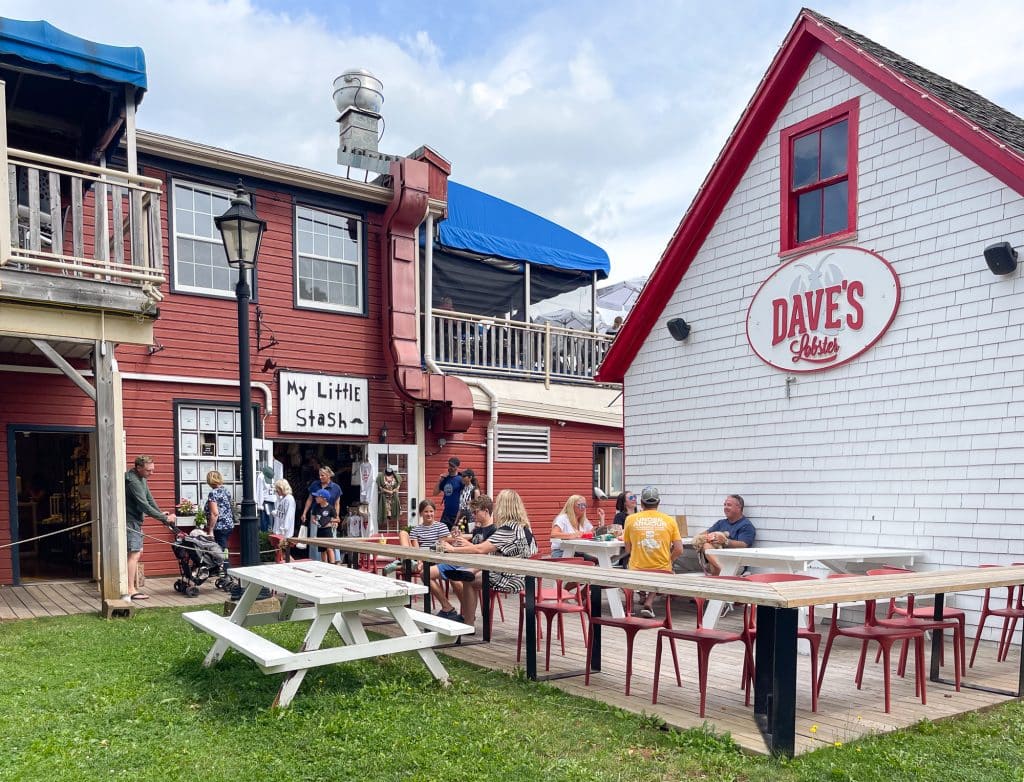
(844, 713)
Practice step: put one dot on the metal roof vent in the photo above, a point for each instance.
(359, 96)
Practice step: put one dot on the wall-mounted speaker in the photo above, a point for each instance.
(680, 329)
(1001, 258)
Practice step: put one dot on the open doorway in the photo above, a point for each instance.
(301, 462)
(53, 489)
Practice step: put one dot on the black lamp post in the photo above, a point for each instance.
(241, 231)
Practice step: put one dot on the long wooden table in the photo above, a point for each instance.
(777, 604)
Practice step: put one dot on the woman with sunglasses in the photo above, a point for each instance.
(572, 523)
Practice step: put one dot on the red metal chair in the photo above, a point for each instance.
(542, 594)
(885, 637)
(808, 632)
(630, 625)
(565, 601)
(923, 618)
(1013, 611)
(706, 639)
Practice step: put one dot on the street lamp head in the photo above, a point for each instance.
(241, 230)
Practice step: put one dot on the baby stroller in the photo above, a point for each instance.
(199, 558)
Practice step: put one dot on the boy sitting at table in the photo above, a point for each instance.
(481, 508)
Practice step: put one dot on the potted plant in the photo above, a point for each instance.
(189, 513)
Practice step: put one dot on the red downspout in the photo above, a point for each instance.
(449, 397)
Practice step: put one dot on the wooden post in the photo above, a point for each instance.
(109, 461)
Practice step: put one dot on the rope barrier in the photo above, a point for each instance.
(44, 535)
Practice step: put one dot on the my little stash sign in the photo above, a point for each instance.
(324, 404)
(821, 310)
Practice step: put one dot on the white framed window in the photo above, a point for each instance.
(200, 264)
(209, 438)
(329, 260)
(523, 443)
(607, 469)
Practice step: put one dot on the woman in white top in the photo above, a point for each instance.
(284, 511)
(571, 524)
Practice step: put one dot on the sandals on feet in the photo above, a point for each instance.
(139, 596)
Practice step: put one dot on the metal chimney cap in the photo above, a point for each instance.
(358, 88)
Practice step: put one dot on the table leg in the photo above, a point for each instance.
(530, 618)
(775, 678)
(604, 559)
(409, 627)
(245, 602)
(713, 608)
(292, 679)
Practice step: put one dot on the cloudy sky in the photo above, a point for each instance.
(601, 119)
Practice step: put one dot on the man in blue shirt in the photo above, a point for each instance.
(450, 485)
(734, 531)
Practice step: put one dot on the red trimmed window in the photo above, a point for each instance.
(819, 178)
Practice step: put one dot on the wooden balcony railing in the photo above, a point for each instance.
(473, 344)
(74, 219)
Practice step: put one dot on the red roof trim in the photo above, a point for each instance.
(807, 36)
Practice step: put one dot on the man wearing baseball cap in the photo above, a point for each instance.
(450, 485)
(652, 541)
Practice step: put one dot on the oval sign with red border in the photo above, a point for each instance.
(822, 310)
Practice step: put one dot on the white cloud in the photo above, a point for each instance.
(604, 120)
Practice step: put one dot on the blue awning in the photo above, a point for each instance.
(43, 44)
(486, 225)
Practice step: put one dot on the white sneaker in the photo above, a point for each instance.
(647, 613)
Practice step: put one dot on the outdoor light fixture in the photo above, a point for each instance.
(678, 328)
(241, 231)
(384, 433)
(1001, 258)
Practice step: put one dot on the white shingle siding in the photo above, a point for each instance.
(920, 441)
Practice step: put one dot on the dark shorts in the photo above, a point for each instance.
(325, 532)
(134, 537)
(455, 572)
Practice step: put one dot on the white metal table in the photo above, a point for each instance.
(793, 559)
(336, 596)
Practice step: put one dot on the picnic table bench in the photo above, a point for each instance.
(777, 606)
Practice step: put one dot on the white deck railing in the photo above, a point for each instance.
(74, 219)
(467, 343)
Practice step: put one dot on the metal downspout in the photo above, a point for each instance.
(428, 352)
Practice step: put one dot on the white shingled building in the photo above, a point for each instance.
(855, 362)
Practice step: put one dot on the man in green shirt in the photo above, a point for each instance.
(139, 502)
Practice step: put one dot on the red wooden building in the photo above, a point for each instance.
(390, 325)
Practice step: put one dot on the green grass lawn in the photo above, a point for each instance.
(86, 699)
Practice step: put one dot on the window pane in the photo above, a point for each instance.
(835, 197)
(805, 160)
(833, 150)
(616, 477)
(808, 224)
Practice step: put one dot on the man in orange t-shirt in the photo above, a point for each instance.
(652, 541)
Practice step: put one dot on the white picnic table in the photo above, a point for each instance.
(336, 595)
(602, 551)
(793, 559)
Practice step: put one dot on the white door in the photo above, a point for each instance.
(403, 458)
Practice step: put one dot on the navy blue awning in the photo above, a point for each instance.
(480, 223)
(44, 45)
